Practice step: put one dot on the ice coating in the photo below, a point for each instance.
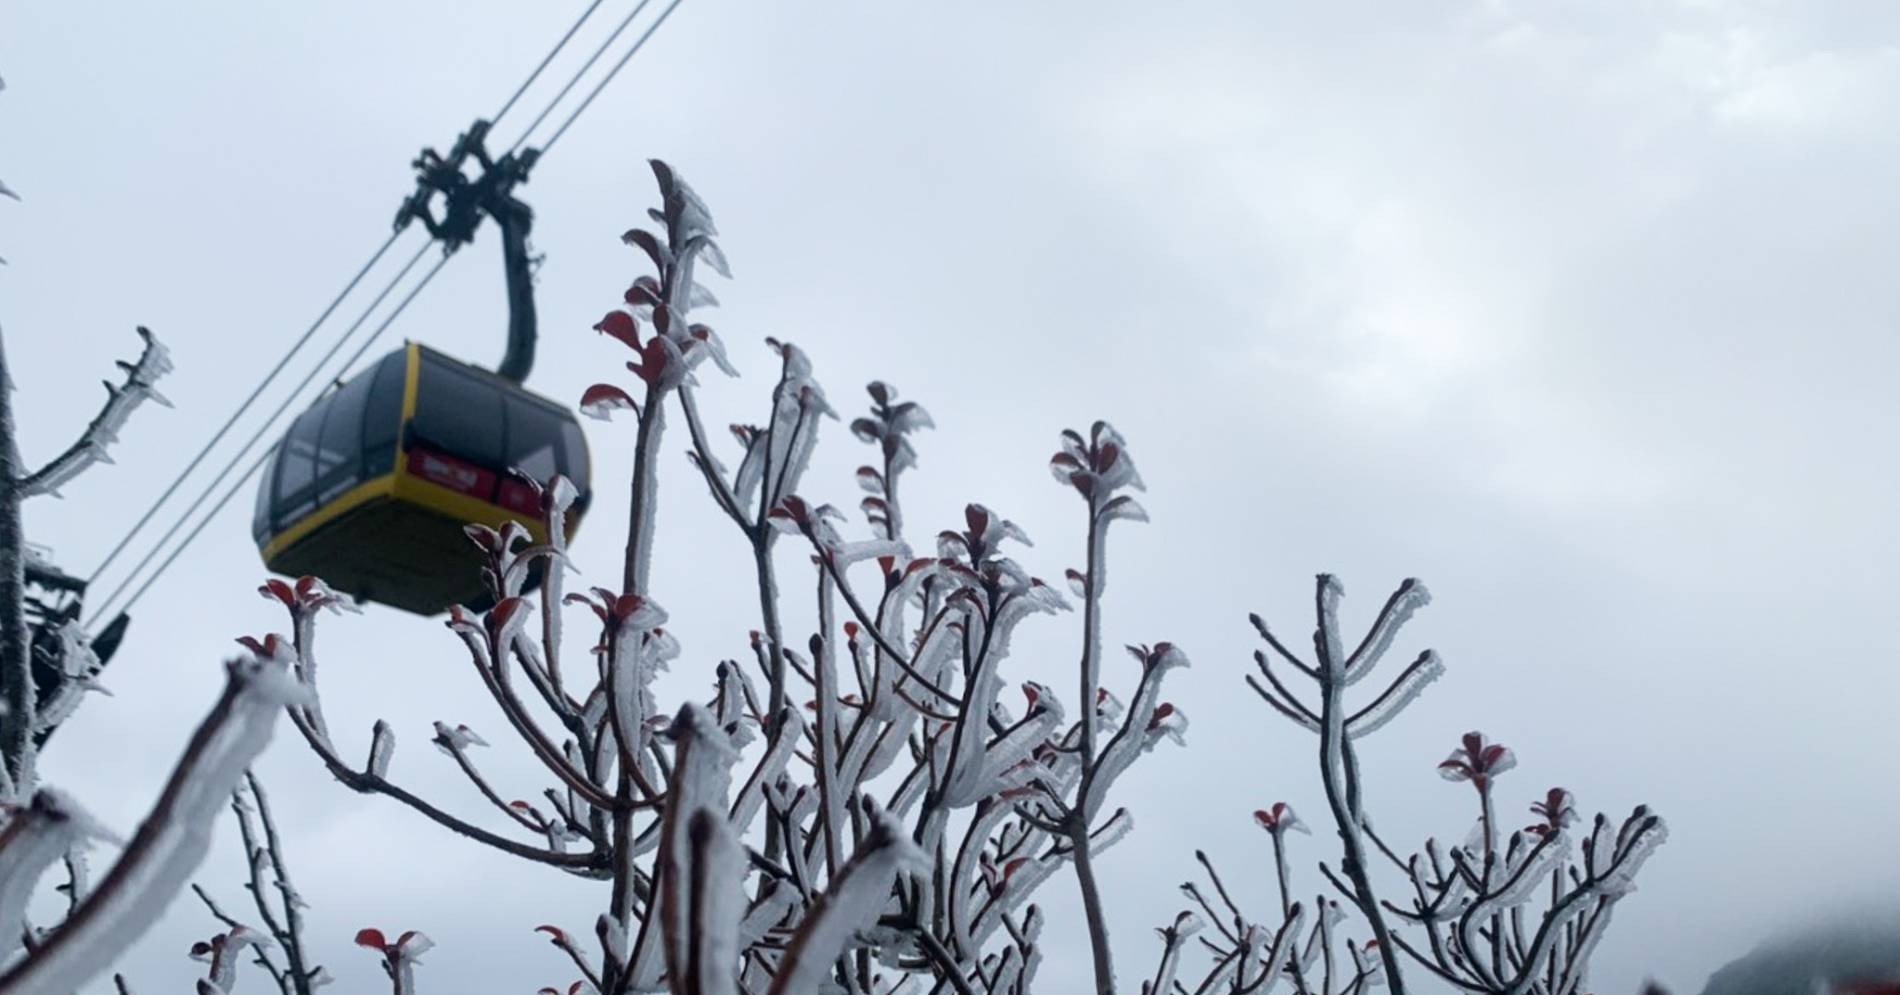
(121, 400)
(854, 900)
(173, 841)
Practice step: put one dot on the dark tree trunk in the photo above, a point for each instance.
(16, 675)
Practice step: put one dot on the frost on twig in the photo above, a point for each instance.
(220, 955)
(46, 830)
(170, 843)
(121, 400)
(278, 905)
(27, 682)
(853, 902)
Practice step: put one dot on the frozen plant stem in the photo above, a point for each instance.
(645, 492)
(1089, 677)
(289, 934)
(1340, 774)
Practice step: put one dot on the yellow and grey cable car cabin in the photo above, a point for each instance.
(372, 486)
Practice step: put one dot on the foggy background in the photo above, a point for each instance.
(1582, 313)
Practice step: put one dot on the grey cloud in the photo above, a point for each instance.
(1579, 312)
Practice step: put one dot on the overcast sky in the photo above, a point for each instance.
(1581, 312)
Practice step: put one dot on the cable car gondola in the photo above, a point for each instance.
(372, 487)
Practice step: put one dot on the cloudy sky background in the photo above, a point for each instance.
(1580, 312)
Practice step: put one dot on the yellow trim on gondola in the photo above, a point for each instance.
(412, 375)
(410, 489)
(402, 485)
(329, 511)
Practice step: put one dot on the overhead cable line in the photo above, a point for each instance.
(611, 73)
(256, 392)
(238, 484)
(100, 612)
(552, 52)
(578, 73)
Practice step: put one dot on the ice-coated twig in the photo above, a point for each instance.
(173, 839)
(1098, 468)
(260, 952)
(853, 901)
(701, 863)
(35, 837)
(1173, 937)
(121, 400)
(286, 930)
(221, 954)
(304, 602)
(25, 724)
(1474, 903)
(1339, 773)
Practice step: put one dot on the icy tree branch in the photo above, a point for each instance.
(173, 839)
(1484, 929)
(121, 400)
(264, 858)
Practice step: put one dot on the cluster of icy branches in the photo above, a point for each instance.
(29, 713)
(889, 835)
(1495, 914)
(41, 827)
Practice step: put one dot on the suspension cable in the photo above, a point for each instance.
(256, 392)
(611, 73)
(238, 484)
(578, 73)
(556, 50)
(262, 429)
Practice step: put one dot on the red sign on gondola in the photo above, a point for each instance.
(457, 475)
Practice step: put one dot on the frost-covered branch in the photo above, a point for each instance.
(121, 400)
(304, 601)
(28, 715)
(1097, 469)
(260, 951)
(169, 844)
(221, 954)
(1503, 913)
(853, 902)
(267, 872)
